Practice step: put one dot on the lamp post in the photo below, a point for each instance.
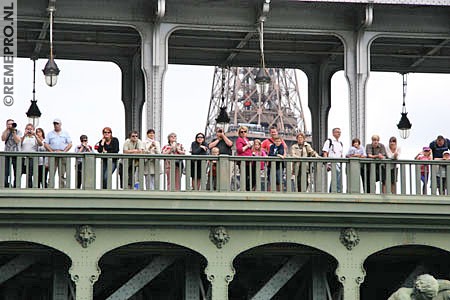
(223, 120)
(262, 79)
(404, 126)
(51, 70)
(33, 112)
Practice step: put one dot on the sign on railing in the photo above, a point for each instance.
(221, 173)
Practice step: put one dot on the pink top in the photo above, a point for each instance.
(240, 144)
(422, 167)
(260, 153)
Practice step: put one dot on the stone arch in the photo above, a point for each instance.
(162, 269)
(397, 266)
(285, 271)
(32, 270)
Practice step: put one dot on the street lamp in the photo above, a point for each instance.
(33, 112)
(404, 126)
(223, 119)
(262, 78)
(51, 70)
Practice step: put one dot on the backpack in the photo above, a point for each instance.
(330, 146)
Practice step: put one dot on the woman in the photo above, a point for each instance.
(173, 148)
(244, 148)
(393, 152)
(152, 146)
(43, 161)
(300, 150)
(357, 151)
(198, 147)
(108, 144)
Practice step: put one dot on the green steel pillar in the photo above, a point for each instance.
(84, 274)
(351, 274)
(220, 274)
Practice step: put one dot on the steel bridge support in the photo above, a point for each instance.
(154, 65)
(280, 278)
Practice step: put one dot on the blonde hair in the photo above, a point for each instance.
(215, 149)
(242, 127)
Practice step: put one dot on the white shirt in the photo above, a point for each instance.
(336, 149)
(29, 144)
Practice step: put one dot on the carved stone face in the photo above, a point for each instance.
(219, 236)
(85, 235)
(349, 238)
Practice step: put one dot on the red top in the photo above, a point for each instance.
(240, 144)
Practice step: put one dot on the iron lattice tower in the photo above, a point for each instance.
(235, 89)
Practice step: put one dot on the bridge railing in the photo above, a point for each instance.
(144, 172)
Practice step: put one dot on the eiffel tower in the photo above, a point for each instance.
(235, 89)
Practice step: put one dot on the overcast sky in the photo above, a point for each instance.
(88, 98)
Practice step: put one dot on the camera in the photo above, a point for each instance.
(13, 125)
(220, 131)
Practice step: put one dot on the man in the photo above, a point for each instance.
(11, 137)
(83, 147)
(59, 140)
(29, 143)
(333, 148)
(222, 142)
(375, 150)
(426, 287)
(273, 131)
(438, 146)
(133, 145)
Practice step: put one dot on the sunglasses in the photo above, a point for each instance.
(200, 137)
(83, 140)
(243, 131)
(55, 123)
(106, 131)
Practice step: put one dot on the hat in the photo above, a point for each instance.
(426, 148)
(57, 121)
(446, 152)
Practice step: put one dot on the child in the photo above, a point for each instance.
(212, 170)
(257, 150)
(442, 174)
(424, 169)
(277, 150)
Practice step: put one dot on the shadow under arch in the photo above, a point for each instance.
(155, 270)
(33, 271)
(395, 267)
(284, 271)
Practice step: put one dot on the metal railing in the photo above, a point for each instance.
(92, 171)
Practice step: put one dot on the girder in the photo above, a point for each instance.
(279, 279)
(142, 278)
(16, 266)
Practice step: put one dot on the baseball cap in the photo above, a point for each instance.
(446, 152)
(57, 121)
(426, 148)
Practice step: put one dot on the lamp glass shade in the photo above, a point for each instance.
(262, 81)
(33, 113)
(34, 121)
(51, 80)
(51, 72)
(404, 126)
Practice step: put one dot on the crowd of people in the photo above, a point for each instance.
(59, 140)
